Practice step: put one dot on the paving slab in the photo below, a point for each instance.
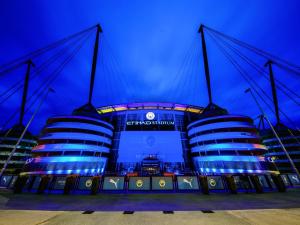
(224, 217)
(151, 201)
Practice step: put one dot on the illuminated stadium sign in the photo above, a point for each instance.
(150, 116)
(152, 122)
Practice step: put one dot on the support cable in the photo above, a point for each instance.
(116, 62)
(246, 77)
(23, 133)
(241, 70)
(42, 50)
(258, 68)
(50, 79)
(270, 124)
(254, 49)
(277, 137)
(18, 85)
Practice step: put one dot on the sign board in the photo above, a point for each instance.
(60, 183)
(263, 181)
(113, 183)
(294, 179)
(85, 183)
(285, 180)
(273, 185)
(242, 182)
(36, 182)
(13, 181)
(162, 183)
(237, 181)
(139, 183)
(148, 123)
(215, 183)
(187, 183)
(5, 180)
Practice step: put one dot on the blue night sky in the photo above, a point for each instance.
(150, 51)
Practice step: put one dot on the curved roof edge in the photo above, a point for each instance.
(150, 105)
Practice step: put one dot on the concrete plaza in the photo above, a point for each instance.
(180, 208)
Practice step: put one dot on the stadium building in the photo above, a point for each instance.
(149, 139)
(149, 146)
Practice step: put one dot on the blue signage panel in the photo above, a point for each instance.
(13, 181)
(215, 183)
(271, 181)
(113, 183)
(28, 182)
(59, 183)
(36, 182)
(136, 145)
(263, 181)
(187, 183)
(285, 180)
(85, 183)
(237, 181)
(162, 183)
(5, 180)
(139, 183)
(294, 179)
(242, 182)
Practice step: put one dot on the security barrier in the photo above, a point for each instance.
(205, 184)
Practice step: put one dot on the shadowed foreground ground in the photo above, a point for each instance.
(183, 209)
(150, 201)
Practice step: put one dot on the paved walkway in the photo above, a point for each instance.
(151, 201)
(237, 217)
(184, 208)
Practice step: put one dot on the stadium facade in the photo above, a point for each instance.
(148, 146)
(149, 139)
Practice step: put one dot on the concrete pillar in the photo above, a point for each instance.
(231, 184)
(204, 184)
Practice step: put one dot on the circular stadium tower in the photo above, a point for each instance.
(8, 140)
(226, 144)
(275, 154)
(76, 144)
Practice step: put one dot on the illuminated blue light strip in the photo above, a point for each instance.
(76, 136)
(223, 135)
(229, 158)
(228, 124)
(217, 117)
(282, 153)
(76, 171)
(69, 147)
(82, 117)
(229, 146)
(223, 171)
(80, 125)
(62, 159)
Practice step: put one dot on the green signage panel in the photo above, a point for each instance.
(162, 183)
(139, 183)
(113, 183)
